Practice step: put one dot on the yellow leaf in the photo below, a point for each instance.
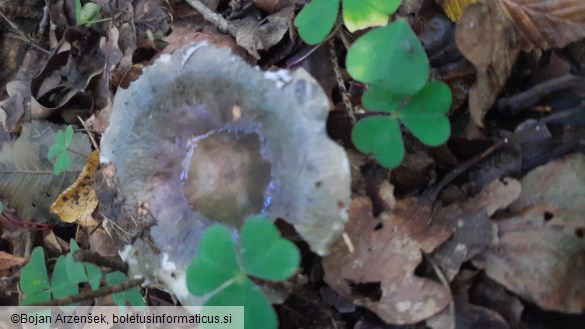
(454, 8)
(77, 203)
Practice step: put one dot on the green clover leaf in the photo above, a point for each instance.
(82, 272)
(423, 114)
(61, 285)
(270, 257)
(316, 20)
(361, 14)
(217, 273)
(34, 279)
(390, 57)
(59, 149)
(133, 295)
(380, 136)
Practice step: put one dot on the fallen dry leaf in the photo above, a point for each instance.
(454, 8)
(77, 203)
(541, 251)
(387, 250)
(8, 261)
(490, 34)
(488, 40)
(473, 231)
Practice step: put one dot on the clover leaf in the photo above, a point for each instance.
(60, 284)
(222, 274)
(361, 14)
(391, 57)
(316, 20)
(424, 114)
(81, 272)
(59, 150)
(132, 295)
(318, 17)
(34, 279)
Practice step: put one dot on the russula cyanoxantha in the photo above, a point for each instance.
(202, 137)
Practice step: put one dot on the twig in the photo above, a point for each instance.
(444, 282)
(23, 36)
(217, 20)
(531, 96)
(89, 295)
(340, 82)
(99, 260)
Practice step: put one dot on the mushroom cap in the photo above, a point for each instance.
(160, 124)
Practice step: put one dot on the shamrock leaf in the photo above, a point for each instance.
(425, 114)
(34, 279)
(380, 136)
(216, 263)
(59, 149)
(82, 272)
(258, 313)
(133, 295)
(270, 257)
(216, 272)
(361, 14)
(316, 20)
(61, 285)
(390, 57)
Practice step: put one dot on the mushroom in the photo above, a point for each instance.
(202, 137)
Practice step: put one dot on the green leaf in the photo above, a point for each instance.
(94, 275)
(258, 313)
(391, 57)
(34, 279)
(377, 98)
(61, 285)
(215, 264)
(115, 278)
(132, 295)
(1, 207)
(62, 163)
(75, 270)
(316, 20)
(265, 254)
(425, 114)
(361, 14)
(68, 136)
(55, 150)
(380, 136)
(89, 13)
(77, 11)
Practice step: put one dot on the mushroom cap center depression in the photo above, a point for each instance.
(228, 177)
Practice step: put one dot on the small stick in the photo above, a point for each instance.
(99, 260)
(531, 96)
(89, 295)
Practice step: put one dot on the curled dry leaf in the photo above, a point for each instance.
(77, 203)
(490, 34)
(488, 40)
(541, 251)
(8, 261)
(387, 250)
(470, 222)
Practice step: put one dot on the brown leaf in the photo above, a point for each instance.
(547, 24)
(488, 40)
(472, 227)
(387, 250)
(541, 252)
(454, 8)
(253, 35)
(8, 261)
(77, 203)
